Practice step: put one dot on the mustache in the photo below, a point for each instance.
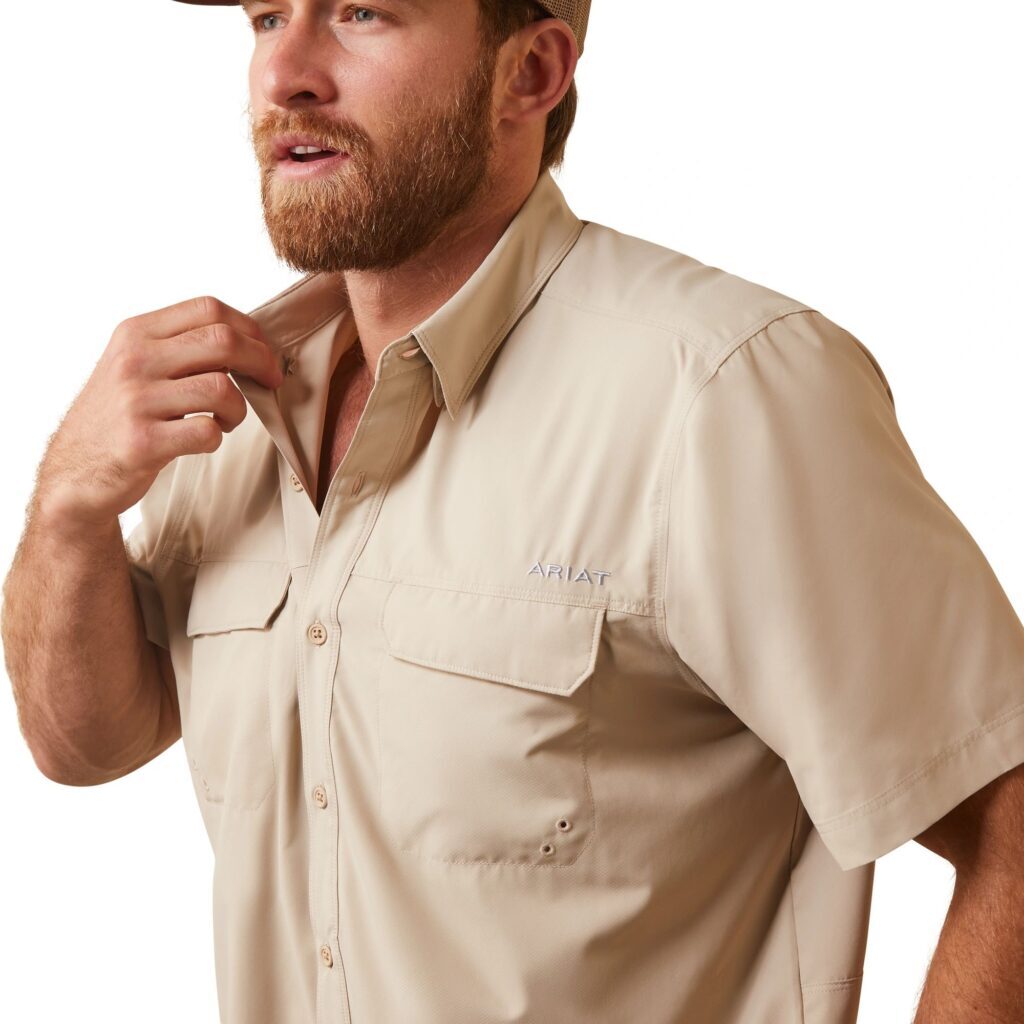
(329, 134)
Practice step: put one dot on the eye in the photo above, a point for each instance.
(367, 10)
(257, 22)
(258, 27)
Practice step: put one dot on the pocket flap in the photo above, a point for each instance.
(236, 595)
(539, 645)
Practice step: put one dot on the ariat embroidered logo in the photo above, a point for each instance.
(553, 571)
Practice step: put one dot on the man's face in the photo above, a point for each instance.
(404, 89)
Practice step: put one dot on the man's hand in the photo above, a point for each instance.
(129, 420)
(977, 971)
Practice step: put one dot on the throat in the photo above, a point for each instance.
(349, 391)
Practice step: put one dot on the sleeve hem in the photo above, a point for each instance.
(150, 604)
(906, 809)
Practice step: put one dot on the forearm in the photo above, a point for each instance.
(85, 679)
(977, 970)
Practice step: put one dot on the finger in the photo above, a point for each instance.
(189, 436)
(214, 347)
(201, 311)
(213, 393)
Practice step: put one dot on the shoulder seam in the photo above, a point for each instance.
(664, 504)
(676, 330)
(753, 331)
(633, 318)
(732, 346)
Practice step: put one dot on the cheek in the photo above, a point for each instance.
(255, 70)
(258, 81)
(401, 95)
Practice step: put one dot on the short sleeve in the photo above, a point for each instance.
(145, 547)
(821, 588)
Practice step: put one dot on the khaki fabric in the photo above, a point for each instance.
(631, 633)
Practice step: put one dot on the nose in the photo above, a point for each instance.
(295, 69)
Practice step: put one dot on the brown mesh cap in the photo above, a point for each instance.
(575, 12)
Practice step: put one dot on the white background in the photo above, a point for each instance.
(861, 158)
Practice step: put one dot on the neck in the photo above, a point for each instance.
(387, 305)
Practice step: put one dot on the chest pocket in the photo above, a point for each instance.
(237, 645)
(483, 716)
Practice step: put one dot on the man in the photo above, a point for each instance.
(570, 626)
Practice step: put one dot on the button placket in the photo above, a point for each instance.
(374, 457)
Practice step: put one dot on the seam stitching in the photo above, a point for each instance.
(535, 289)
(663, 519)
(483, 673)
(835, 983)
(516, 593)
(613, 314)
(887, 796)
(188, 486)
(792, 908)
(642, 609)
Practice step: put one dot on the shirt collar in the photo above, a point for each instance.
(460, 337)
(309, 326)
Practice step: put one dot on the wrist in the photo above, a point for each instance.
(56, 516)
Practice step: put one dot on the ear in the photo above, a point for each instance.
(537, 65)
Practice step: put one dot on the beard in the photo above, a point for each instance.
(387, 201)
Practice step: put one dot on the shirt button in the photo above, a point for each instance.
(317, 632)
(296, 482)
(325, 955)
(320, 796)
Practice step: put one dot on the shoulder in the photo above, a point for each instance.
(611, 274)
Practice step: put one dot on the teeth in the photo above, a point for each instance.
(306, 149)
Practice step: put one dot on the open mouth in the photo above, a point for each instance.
(307, 157)
(322, 162)
(305, 153)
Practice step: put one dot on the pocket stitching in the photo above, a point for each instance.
(266, 620)
(584, 757)
(543, 865)
(253, 620)
(598, 612)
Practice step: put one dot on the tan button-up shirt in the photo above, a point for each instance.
(629, 635)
